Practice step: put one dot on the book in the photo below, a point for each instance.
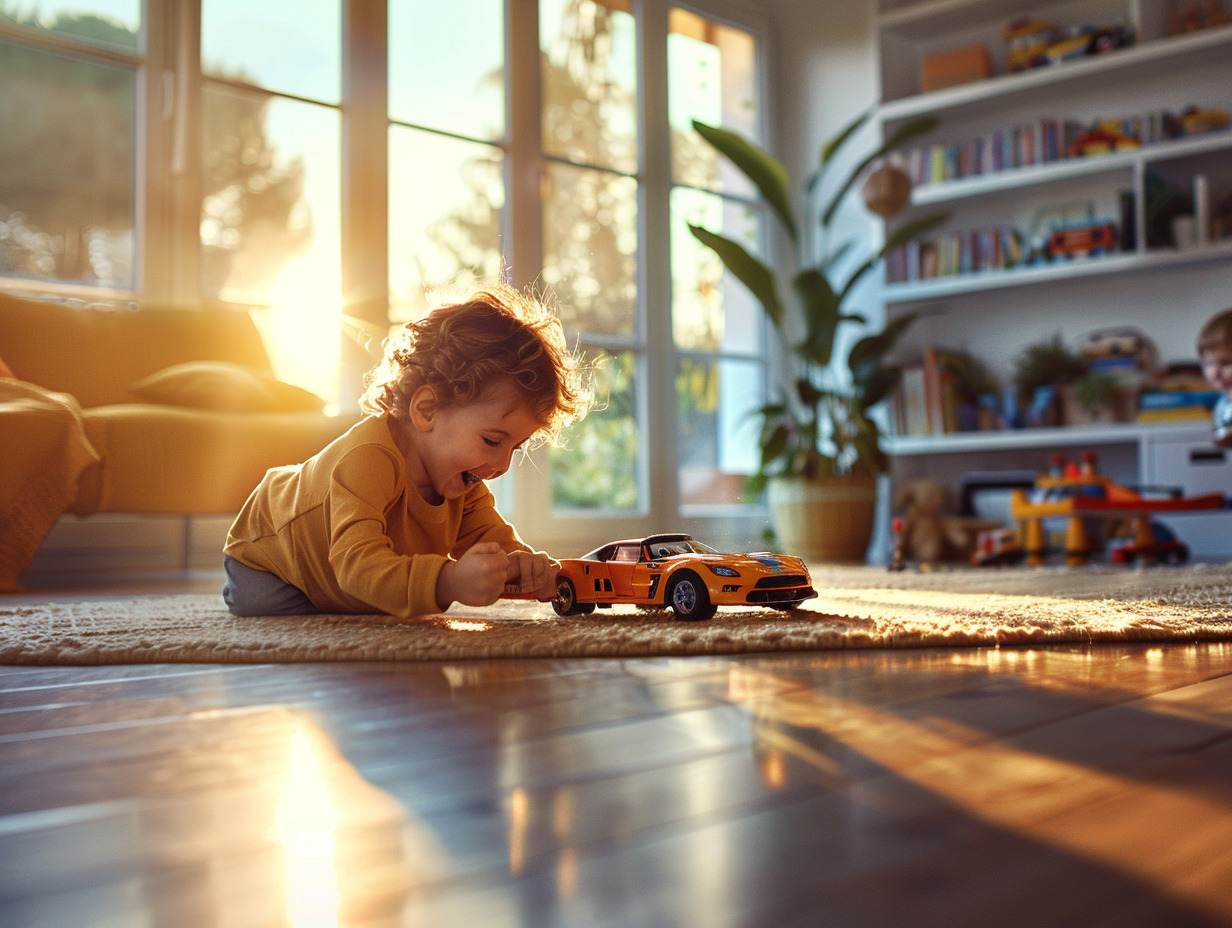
(910, 403)
(1178, 399)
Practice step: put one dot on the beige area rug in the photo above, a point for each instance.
(859, 607)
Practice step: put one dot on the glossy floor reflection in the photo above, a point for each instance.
(1061, 786)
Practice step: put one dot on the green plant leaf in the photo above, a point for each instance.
(748, 270)
(819, 307)
(900, 137)
(754, 486)
(775, 445)
(810, 394)
(763, 169)
(866, 354)
(836, 142)
(770, 411)
(881, 384)
(832, 146)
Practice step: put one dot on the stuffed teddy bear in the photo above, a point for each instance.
(927, 534)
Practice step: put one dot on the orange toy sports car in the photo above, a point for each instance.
(662, 571)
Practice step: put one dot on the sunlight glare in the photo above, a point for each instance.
(461, 625)
(302, 327)
(518, 821)
(305, 824)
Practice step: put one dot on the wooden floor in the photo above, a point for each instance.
(1068, 786)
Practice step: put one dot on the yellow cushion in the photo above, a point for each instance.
(93, 354)
(171, 459)
(224, 386)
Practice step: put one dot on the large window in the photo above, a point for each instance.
(716, 324)
(68, 149)
(331, 166)
(270, 152)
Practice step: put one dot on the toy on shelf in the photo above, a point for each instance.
(1102, 139)
(674, 571)
(1195, 121)
(1187, 17)
(1084, 240)
(1027, 42)
(1078, 492)
(1035, 43)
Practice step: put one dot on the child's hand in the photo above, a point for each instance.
(532, 574)
(477, 578)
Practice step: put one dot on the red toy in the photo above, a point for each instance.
(1080, 493)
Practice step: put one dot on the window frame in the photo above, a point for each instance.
(168, 194)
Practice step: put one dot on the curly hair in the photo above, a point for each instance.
(497, 335)
(1217, 333)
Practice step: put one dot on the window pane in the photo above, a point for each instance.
(113, 23)
(271, 220)
(712, 78)
(590, 248)
(446, 66)
(291, 46)
(445, 201)
(711, 309)
(589, 77)
(718, 433)
(600, 468)
(66, 187)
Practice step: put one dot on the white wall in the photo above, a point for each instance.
(825, 74)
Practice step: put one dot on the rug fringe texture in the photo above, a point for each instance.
(857, 608)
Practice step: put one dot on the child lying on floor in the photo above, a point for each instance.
(394, 515)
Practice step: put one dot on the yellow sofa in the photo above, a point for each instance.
(170, 411)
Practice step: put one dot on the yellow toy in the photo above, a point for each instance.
(1080, 493)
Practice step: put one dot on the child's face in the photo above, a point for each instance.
(467, 444)
(1217, 368)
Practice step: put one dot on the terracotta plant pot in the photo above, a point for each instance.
(824, 519)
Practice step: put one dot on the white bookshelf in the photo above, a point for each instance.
(1167, 292)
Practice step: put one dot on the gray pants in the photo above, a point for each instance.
(249, 591)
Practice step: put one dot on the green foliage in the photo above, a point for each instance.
(599, 467)
(820, 425)
(1047, 363)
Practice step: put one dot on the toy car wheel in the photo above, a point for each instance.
(565, 602)
(1175, 557)
(689, 598)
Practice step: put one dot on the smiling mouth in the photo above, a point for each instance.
(469, 479)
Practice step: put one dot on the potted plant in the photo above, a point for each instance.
(1041, 372)
(820, 448)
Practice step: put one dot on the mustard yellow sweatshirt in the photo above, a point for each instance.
(347, 529)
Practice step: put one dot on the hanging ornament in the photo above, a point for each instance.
(886, 190)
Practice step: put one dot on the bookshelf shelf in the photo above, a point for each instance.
(1114, 433)
(1017, 178)
(1147, 59)
(935, 288)
(933, 17)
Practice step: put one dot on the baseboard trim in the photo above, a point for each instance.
(107, 543)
